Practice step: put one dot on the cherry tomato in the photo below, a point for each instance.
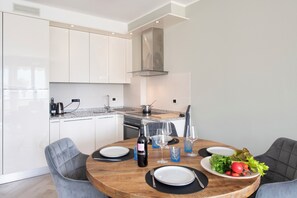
(235, 174)
(228, 172)
(237, 167)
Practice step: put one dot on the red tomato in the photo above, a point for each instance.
(237, 167)
(228, 172)
(245, 166)
(235, 174)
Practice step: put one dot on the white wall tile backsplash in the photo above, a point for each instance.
(166, 88)
(135, 92)
(90, 95)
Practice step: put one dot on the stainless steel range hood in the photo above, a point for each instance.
(152, 53)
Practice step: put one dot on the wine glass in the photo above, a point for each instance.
(161, 141)
(191, 136)
(166, 126)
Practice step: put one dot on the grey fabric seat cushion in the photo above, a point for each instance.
(153, 126)
(281, 158)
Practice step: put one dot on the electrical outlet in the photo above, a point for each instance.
(174, 101)
(114, 99)
(75, 100)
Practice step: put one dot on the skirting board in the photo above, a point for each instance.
(23, 175)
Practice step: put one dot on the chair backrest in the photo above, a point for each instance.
(65, 160)
(153, 126)
(281, 158)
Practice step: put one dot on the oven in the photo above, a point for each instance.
(132, 127)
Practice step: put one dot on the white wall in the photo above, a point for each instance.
(90, 95)
(135, 92)
(165, 88)
(242, 56)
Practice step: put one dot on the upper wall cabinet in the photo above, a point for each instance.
(79, 56)
(98, 58)
(82, 57)
(59, 54)
(23, 67)
(117, 60)
(128, 73)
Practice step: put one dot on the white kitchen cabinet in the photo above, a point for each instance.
(128, 70)
(25, 52)
(59, 54)
(25, 93)
(120, 128)
(105, 130)
(1, 93)
(117, 60)
(25, 129)
(79, 53)
(98, 58)
(54, 130)
(81, 131)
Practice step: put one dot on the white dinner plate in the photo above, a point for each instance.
(114, 151)
(220, 151)
(174, 175)
(206, 165)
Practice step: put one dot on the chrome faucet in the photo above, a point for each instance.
(107, 107)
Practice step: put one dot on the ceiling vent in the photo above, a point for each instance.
(26, 9)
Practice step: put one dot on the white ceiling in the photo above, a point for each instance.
(119, 10)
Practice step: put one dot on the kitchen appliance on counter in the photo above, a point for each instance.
(60, 108)
(146, 109)
(53, 107)
(132, 127)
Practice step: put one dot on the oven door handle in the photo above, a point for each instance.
(132, 127)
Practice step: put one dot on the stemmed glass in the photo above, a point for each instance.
(161, 141)
(191, 136)
(166, 126)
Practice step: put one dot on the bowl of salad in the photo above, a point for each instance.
(240, 165)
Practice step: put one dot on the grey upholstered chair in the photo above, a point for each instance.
(286, 189)
(153, 126)
(280, 179)
(68, 169)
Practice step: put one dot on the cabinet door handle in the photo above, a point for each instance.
(104, 117)
(132, 127)
(77, 120)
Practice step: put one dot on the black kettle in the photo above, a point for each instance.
(60, 108)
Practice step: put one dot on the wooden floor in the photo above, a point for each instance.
(36, 187)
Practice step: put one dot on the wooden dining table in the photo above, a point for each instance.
(126, 179)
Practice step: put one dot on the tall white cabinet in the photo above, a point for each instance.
(25, 94)
(1, 93)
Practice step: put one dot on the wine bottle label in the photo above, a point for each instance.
(140, 147)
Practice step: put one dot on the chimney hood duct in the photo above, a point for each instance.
(152, 53)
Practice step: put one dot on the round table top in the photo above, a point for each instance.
(126, 179)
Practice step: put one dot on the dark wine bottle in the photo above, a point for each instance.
(142, 149)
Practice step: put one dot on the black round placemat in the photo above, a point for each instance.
(190, 188)
(130, 155)
(173, 141)
(204, 153)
